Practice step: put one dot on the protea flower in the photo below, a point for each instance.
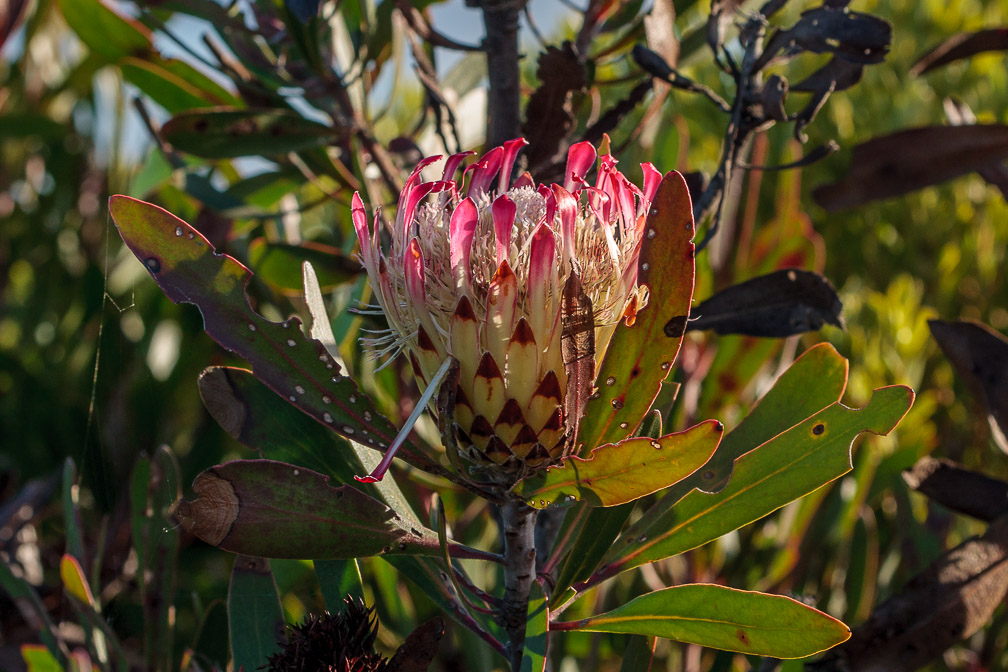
(523, 284)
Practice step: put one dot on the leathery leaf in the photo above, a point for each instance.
(640, 355)
(792, 464)
(621, 472)
(297, 368)
(725, 618)
(276, 510)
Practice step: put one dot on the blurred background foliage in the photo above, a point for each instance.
(98, 366)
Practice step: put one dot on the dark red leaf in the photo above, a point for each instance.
(961, 46)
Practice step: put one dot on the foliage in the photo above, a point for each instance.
(304, 88)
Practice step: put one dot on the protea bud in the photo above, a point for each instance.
(523, 284)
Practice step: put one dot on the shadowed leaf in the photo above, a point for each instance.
(277, 510)
(622, 472)
(853, 36)
(961, 46)
(776, 305)
(912, 159)
(946, 603)
(958, 488)
(640, 356)
(786, 467)
(255, 618)
(419, 649)
(980, 357)
(548, 114)
(838, 74)
(298, 368)
(280, 264)
(227, 133)
(727, 619)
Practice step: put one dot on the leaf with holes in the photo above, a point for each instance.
(618, 473)
(277, 510)
(725, 618)
(784, 468)
(296, 367)
(640, 356)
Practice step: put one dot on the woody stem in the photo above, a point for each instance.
(519, 572)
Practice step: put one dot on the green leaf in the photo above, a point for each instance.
(252, 414)
(725, 618)
(791, 465)
(639, 654)
(227, 133)
(71, 511)
(105, 32)
(640, 356)
(588, 531)
(536, 631)
(280, 264)
(28, 603)
(277, 510)
(622, 472)
(74, 580)
(791, 400)
(337, 579)
(255, 618)
(38, 658)
(154, 487)
(174, 85)
(297, 368)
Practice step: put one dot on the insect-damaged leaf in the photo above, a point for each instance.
(980, 357)
(784, 468)
(622, 472)
(961, 46)
(727, 619)
(912, 159)
(640, 356)
(782, 303)
(297, 368)
(949, 601)
(226, 133)
(277, 510)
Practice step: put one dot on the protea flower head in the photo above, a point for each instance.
(522, 283)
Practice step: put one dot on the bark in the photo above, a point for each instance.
(500, 19)
(519, 573)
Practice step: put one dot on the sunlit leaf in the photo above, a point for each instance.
(104, 31)
(536, 631)
(725, 618)
(174, 85)
(640, 356)
(74, 580)
(791, 465)
(37, 658)
(622, 472)
(277, 510)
